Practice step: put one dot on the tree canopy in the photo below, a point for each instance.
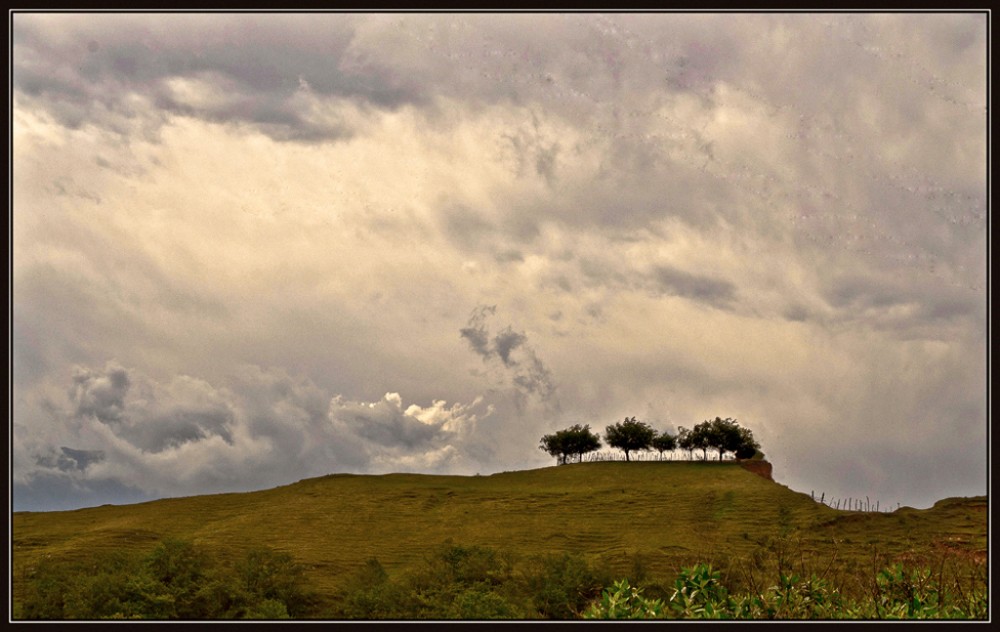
(701, 437)
(630, 435)
(664, 442)
(574, 441)
(724, 435)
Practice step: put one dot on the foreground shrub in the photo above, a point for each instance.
(455, 582)
(174, 581)
(623, 601)
(699, 594)
(896, 594)
(474, 583)
(791, 598)
(916, 594)
(561, 587)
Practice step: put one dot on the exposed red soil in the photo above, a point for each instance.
(760, 468)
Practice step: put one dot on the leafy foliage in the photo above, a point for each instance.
(700, 594)
(574, 441)
(174, 581)
(475, 583)
(561, 586)
(623, 601)
(630, 435)
(723, 435)
(664, 442)
(456, 582)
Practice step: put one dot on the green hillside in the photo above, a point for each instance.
(667, 514)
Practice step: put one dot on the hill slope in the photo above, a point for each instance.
(668, 513)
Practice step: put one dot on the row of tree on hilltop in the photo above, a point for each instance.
(722, 435)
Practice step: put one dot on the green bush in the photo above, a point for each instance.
(268, 609)
(899, 594)
(456, 582)
(560, 587)
(479, 603)
(699, 594)
(622, 601)
(372, 595)
(791, 598)
(174, 581)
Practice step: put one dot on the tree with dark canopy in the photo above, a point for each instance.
(630, 435)
(574, 441)
(702, 437)
(664, 442)
(725, 435)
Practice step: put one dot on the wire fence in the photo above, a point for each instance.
(647, 455)
(854, 504)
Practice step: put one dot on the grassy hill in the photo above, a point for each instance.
(667, 514)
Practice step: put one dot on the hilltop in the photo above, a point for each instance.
(664, 513)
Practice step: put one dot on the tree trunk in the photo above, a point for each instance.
(626, 456)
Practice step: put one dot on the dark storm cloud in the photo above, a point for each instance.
(796, 313)
(476, 332)
(385, 424)
(255, 67)
(82, 458)
(510, 353)
(715, 292)
(505, 342)
(69, 459)
(864, 292)
(146, 421)
(899, 304)
(258, 69)
(180, 424)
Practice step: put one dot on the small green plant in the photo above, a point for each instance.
(791, 598)
(699, 594)
(623, 601)
(898, 594)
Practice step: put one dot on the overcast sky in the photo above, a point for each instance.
(254, 248)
